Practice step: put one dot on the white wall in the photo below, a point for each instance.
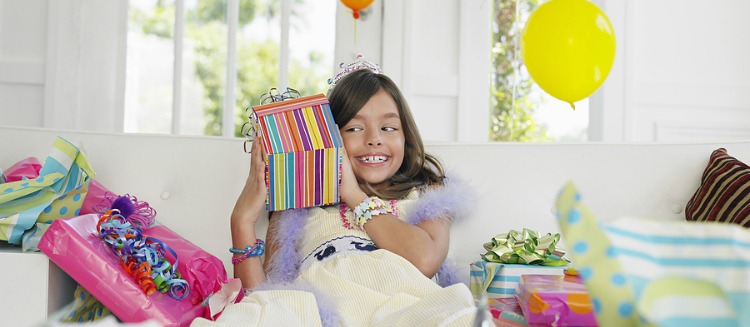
(676, 76)
(22, 61)
(680, 74)
(62, 63)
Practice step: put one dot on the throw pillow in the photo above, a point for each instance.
(724, 192)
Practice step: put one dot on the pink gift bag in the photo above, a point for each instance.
(75, 245)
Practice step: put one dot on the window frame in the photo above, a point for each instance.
(232, 22)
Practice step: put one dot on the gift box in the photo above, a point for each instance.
(303, 149)
(506, 312)
(76, 246)
(554, 300)
(500, 280)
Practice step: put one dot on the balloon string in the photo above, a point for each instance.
(515, 70)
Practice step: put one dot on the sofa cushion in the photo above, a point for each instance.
(724, 191)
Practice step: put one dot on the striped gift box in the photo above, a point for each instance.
(303, 152)
(499, 280)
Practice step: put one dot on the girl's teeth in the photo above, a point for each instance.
(373, 159)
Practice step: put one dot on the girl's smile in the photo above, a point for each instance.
(374, 140)
(373, 160)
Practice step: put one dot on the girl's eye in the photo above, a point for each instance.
(353, 129)
(389, 129)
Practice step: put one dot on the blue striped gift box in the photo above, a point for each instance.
(499, 280)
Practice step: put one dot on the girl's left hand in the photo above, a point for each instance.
(351, 193)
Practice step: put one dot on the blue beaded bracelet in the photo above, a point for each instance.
(258, 249)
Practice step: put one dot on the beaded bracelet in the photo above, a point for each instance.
(250, 251)
(372, 206)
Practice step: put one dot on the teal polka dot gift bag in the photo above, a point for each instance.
(28, 206)
(650, 272)
(596, 262)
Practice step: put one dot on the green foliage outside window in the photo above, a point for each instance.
(512, 119)
(257, 61)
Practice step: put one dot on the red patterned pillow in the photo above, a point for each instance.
(724, 193)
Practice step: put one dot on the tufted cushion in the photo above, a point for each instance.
(724, 192)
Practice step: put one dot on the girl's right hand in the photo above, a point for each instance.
(350, 191)
(253, 197)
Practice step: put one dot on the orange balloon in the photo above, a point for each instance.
(356, 6)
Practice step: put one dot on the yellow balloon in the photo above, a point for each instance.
(568, 47)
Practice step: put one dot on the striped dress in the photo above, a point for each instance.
(344, 280)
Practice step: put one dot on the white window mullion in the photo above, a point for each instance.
(284, 45)
(475, 33)
(227, 123)
(179, 29)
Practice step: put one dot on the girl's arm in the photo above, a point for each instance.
(425, 245)
(247, 209)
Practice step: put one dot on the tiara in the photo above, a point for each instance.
(358, 64)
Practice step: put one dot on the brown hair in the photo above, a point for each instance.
(419, 169)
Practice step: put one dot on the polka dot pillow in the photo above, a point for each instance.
(724, 192)
(646, 272)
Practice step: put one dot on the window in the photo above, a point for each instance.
(521, 111)
(193, 67)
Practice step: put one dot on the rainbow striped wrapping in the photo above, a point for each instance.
(303, 152)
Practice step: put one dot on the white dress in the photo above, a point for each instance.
(355, 286)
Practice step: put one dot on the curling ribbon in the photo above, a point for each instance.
(144, 258)
(525, 247)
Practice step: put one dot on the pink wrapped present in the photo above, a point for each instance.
(75, 245)
(550, 300)
(94, 197)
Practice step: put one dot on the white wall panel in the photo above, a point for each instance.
(23, 30)
(22, 71)
(436, 117)
(434, 50)
(84, 83)
(23, 27)
(473, 106)
(686, 78)
(699, 132)
(20, 104)
(676, 123)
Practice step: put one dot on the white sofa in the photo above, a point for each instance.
(192, 182)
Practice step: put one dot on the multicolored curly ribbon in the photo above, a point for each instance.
(142, 257)
(525, 247)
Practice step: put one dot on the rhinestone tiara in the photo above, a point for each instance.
(359, 63)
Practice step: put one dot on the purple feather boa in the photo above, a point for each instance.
(284, 266)
(451, 201)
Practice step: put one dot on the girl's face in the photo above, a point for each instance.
(374, 140)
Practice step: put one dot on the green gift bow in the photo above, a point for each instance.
(525, 247)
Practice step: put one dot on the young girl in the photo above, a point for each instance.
(374, 259)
